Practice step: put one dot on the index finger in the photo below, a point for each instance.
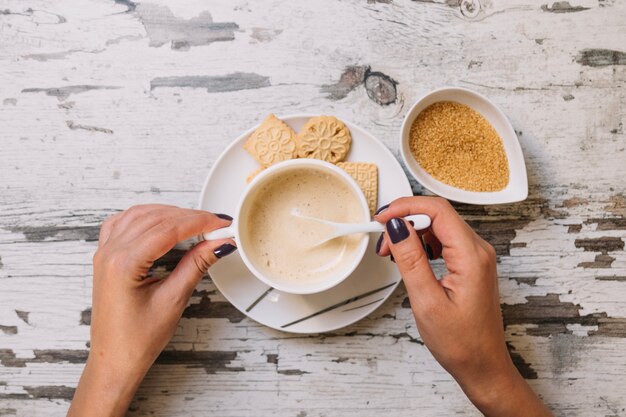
(446, 224)
(174, 228)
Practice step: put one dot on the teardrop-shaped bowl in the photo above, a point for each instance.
(516, 189)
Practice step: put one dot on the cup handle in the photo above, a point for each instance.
(223, 233)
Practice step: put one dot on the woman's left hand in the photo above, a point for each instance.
(134, 316)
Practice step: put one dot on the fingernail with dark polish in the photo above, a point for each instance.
(381, 209)
(429, 251)
(379, 243)
(391, 258)
(224, 216)
(223, 250)
(397, 230)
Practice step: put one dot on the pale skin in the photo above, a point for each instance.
(134, 316)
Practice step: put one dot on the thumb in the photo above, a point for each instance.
(408, 253)
(192, 267)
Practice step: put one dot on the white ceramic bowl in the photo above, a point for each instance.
(516, 189)
(238, 228)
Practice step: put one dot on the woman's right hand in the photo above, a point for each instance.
(458, 317)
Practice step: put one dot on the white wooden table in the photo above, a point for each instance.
(106, 104)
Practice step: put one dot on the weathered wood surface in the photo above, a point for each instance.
(106, 104)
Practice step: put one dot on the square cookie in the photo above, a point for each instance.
(366, 175)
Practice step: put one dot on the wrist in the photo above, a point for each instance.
(105, 388)
(491, 390)
(505, 393)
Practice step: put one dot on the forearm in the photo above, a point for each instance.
(508, 395)
(104, 390)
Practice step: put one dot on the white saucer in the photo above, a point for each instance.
(361, 293)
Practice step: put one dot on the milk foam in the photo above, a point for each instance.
(284, 246)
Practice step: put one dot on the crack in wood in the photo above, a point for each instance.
(77, 126)
(549, 316)
(601, 57)
(57, 233)
(450, 3)
(350, 78)
(8, 330)
(499, 224)
(9, 359)
(574, 228)
(608, 223)
(211, 361)
(207, 309)
(600, 244)
(405, 335)
(600, 261)
(50, 392)
(23, 315)
(36, 16)
(85, 317)
(380, 88)
(562, 7)
(162, 26)
(524, 368)
(62, 93)
(297, 372)
(59, 55)
(130, 5)
(214, 83)
(619, 278)
(525, 280)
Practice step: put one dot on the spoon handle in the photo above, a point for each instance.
(420, 221)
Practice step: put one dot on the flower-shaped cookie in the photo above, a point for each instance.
(272, 142)
(324, 137)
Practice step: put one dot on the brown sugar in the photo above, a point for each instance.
(458, 146)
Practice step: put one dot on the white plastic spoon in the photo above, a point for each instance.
(420, 221)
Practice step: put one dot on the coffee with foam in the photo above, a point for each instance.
(285, 247)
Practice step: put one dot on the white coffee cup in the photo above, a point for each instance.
(238, 227)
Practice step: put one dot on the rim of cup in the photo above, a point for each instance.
(359, 252)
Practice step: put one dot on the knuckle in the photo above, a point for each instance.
(107, 225)
(98, 257)
(167, 226)
(442, 203)
(201, 262)
(410, 260)
(486, 255)
(108, 222)
(133, 210)
(116, 261)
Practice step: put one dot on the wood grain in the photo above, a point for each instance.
(106, 104)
